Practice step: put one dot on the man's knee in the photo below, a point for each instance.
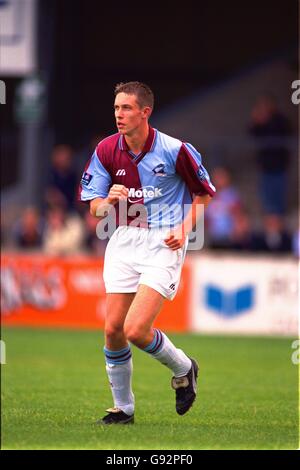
(113, 331)
(134, 333)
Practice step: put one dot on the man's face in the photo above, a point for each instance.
(129, 116)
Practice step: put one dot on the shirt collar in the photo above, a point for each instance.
(148, 146)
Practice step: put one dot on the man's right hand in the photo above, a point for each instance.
(118, 192)
(100, 207)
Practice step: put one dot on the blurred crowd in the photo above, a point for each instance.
(61, 225)
(229, 225)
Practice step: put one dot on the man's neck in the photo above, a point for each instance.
(137, 141)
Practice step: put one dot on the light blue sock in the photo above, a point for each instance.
(119, 370)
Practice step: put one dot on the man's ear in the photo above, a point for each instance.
(147, 111)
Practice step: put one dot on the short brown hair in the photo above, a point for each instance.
(143, 93)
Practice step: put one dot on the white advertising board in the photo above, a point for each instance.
(17, 37)
(244, 295)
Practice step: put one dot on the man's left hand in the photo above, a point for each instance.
(176, 238)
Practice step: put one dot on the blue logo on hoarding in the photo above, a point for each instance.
(229, 303)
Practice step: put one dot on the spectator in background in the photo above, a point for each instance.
(62, 184)
(270, 128)
(87, 151)
(91, 241)
(28, 232)
(222, 210)
(296, 243)
(63, 232)
(274, 237)
(242, 237)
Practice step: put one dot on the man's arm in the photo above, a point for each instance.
(176, 238)
(99, 207)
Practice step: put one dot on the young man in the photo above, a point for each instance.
(155, 177)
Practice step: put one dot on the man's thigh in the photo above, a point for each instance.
(117, 306)
(144, 308)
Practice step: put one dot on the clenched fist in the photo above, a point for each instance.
(118, 192)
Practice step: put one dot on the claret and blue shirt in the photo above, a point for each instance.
(163, 178)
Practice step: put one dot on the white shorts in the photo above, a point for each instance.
(140, 256)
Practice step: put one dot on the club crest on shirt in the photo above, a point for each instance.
(86, 178)
(159, 170)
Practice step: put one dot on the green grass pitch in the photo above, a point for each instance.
(54, 387)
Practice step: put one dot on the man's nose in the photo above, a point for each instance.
(119, 115)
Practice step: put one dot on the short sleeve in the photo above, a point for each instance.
(189, 167)
(95, 181)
